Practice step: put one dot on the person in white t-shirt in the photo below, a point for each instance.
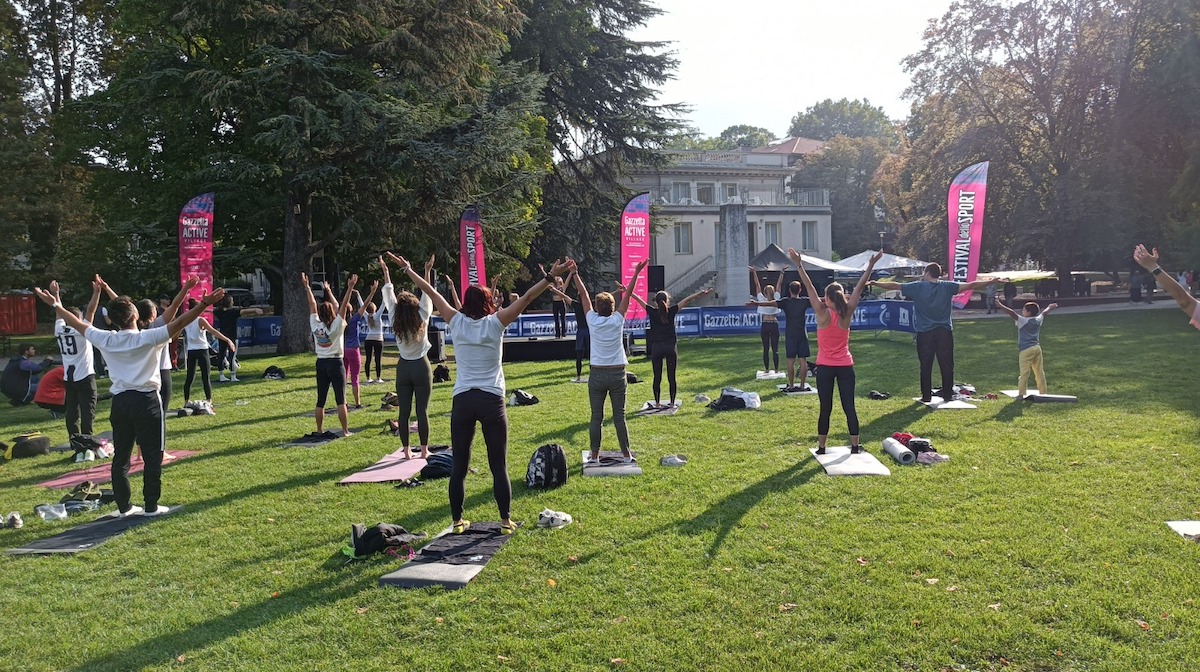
(768, 331)
(327, 323)
(79, 373)
(606, 378)
(414, 375)
(373, 340)
(477, 330)
(198, 355)
(136, 414)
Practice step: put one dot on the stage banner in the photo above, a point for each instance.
(687, 324)
(635, 248)
(968, 192)
(472, 269)
(195, 246)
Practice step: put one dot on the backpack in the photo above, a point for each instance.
(274, 373)
(630, 379)
(28, 445)
(547, 467)
(437, 466)
(522, 398)
(732, 398)
(367, 540)
(441, 374)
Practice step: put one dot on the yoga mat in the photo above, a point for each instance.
(1188, 529)
(610, 465)
(584, 379)
(390, 469)
(938, 404)
(898, 451)
(810, 390)
(103, 473)
(87, 536)
(450, 560)
(333, 411)
(648, 408)
(838, 461)
(311, 441)
(765, 375)
(66, 447)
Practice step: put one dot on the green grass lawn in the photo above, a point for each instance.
(1041, 545)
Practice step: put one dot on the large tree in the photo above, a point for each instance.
(851, 118)
(335, 127)
(847, 167)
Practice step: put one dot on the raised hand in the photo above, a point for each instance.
(1146, 260)
(303, 278)
(214, 298)
(642, 264)
(46, 297)
(193, 281)
(374, 285)
(560, 267)
(429, 265)
(353, 281)
(706, 292)
(399, 260)
(574, 268)
(877, 256)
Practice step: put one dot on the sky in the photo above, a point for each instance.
(759, 62)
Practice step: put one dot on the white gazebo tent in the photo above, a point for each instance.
(889, 262)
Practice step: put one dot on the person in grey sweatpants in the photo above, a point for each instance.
(606, 323)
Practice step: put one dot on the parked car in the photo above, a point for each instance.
(242, 298)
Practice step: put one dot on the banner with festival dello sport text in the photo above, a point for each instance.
(968, 192)
(635, 248)
(195, 246)
(472, 268)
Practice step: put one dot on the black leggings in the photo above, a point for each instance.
(770, 341)
(844, 376)
(226, 357)
(488, 410)
(80, 402)
(560, 318)
(658, 353)
(195, 357)
(414, 379)
(583, 344)
(137, 417)
(937, 343)
(331, 372)
(164, 388)
(373, 349)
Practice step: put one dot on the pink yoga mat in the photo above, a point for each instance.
(391, 468)
(102, 473)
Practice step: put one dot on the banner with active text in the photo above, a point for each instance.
(968, 192)
(472, 268)
(195, 245)
(635, 248)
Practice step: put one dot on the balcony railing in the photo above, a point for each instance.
(816, 198)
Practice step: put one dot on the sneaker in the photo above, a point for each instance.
(224, 379)
(460, 526)
(511, 526)
(160, 511)
(13, 520)
(134, 510)
(89, 455)
(629, 459)
(820, 450)
(234, 379)
(544, 518)
(558, 520)
(854, 450)
(673, 461)
(80, 457)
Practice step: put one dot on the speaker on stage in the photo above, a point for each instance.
(657, 280)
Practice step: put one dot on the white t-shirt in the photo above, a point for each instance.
(478, 349)
(768, 310)
(410, 350)
(76, 352)
(132, 356)
(165, 361)
(373, 324)
(195, 336)
(608, 339)
(328, 340)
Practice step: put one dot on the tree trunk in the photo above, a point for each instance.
(297, 259)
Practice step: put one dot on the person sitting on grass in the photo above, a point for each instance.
(20, 378)
(1187, 302)
(1029, 327)
(477, 330)
(834, 362)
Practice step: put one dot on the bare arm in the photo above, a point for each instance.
(51, 298)
(176, 325)
(362, 309)
(688, 299)
(1149, 261)
(757, 287)
(1049, 308)
(172, 310)
(344, 306)
(637, 270)
(978, 284)
(779, 284)
(90, 312)
(513, 311)
(205, 326)
(445, 310)
(455, 302)
(312, 300)
(862, 281)
(1009, 311)
(818, 305)
(584, 297)
(625, 290)
(884, 284)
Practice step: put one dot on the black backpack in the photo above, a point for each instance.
(367, 540)
(729, 400)
(547, 468)
(437, 466)
(441, 374)
(28, 445)
(523, 398)
(274, 373)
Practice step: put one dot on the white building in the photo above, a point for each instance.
(688, 192)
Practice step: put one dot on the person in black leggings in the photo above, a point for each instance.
(661, 339)
(583, 336)
(560, 309)
(769, 331)
(414, 376)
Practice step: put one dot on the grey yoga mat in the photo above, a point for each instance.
(898, 451)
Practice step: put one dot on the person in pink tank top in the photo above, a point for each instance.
(834, 363)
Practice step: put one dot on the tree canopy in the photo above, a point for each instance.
(851, 118)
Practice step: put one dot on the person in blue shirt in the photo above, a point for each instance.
(20, 378)
(931, 297)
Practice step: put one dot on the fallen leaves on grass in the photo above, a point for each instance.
(932, 582)
(1142, 624)
(181, 658)
(275, 594)
(727, 569)
(500, 657)
(361, 610)
(617, 661)
(994, 607)
(572, 558)
(951, 589)
(620, 619)
(784, 608)
(862, 562)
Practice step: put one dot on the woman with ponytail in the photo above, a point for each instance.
(327, 323)
(661, 339)
(834, 363)
(414, 376)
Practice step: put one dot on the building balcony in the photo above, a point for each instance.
(667, 197)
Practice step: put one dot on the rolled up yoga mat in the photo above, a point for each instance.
(898, 451)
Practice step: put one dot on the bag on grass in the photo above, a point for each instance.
(732, 398)
(522, 398)
(274, 373)
(437, 466)
(630, 379)
(391, 399)
(441, 374)
(28, 445)
(547, 467)
(367, 540)
(81, 443)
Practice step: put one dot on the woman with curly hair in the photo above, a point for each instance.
(414, 376)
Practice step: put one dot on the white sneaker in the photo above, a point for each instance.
(80, 457)
(673, 461)
(160, 511)
(544, 518)
(224, 379)
(234, 379)
(134, 510)
(89, 455)
(559, 519)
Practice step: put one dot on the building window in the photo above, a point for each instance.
(774, 233)
(681, 192)
(752, 238)
(808, 235)
(683, 238)
(706, 194)
(728, 192)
